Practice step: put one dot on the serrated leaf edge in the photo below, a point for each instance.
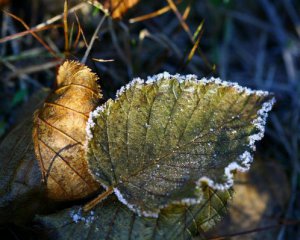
(245, 159)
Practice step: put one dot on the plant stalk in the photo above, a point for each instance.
(90, 205)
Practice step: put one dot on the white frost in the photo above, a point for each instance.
(241, 164)
(132, 207)
(77, 217)
(191, 78)
(135, 81)
(91, 124)
(246, 158)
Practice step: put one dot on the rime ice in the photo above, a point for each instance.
(78, 216)
(242, 163)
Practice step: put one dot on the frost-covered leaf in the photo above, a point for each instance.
(59, 133)
(20, 178)
(161, 139)
(112, 220)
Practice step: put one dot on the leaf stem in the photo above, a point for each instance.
(87, 207)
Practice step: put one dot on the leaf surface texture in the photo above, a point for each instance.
(160, 139)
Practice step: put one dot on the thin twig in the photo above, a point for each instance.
(21, 34)
(33, 69)
(103, 60)
(81, 31)
(33, 33)
(150, 15)
(95, 35)
(60, 16)
(180, 18)
(98, 199)
(48, 22)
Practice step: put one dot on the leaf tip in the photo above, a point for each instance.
(246, 158)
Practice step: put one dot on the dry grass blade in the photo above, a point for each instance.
(150, 15)
(66, 28)
(32, 33)
(103, 60)
(90, 205)
(94, 37)
(21, 34)
(180, 18)
(197, 36)
(44, 25)
(80, 32)
(33, 69)
(60, 16)
(187, 11)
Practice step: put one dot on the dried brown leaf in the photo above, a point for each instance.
(4, 2)
(59, 133)
(118, 7)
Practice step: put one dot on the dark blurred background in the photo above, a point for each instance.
(255, 43)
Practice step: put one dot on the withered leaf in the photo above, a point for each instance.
(20, 178)
(59, 133)
(113, 220)
(118, 8)
(162, 139)
(4, 2)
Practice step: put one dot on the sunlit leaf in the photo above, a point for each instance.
(113, 220)
(118, 7)
(59, 133)
(160, 140)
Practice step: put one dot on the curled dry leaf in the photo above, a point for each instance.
(118, 7)
(4, 2)
(20, 178)
(162, 139)
(112, 220)
(59, 133)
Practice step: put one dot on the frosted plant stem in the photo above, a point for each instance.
(90, 205)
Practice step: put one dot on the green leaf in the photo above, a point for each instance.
(161, 140)
(113, 220)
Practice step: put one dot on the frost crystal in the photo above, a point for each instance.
(132, 207)
(241, 164)
(78, 217)
(245, 159)
(193, 78)
(91, 124)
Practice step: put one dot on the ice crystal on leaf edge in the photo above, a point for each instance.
(245, 159)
